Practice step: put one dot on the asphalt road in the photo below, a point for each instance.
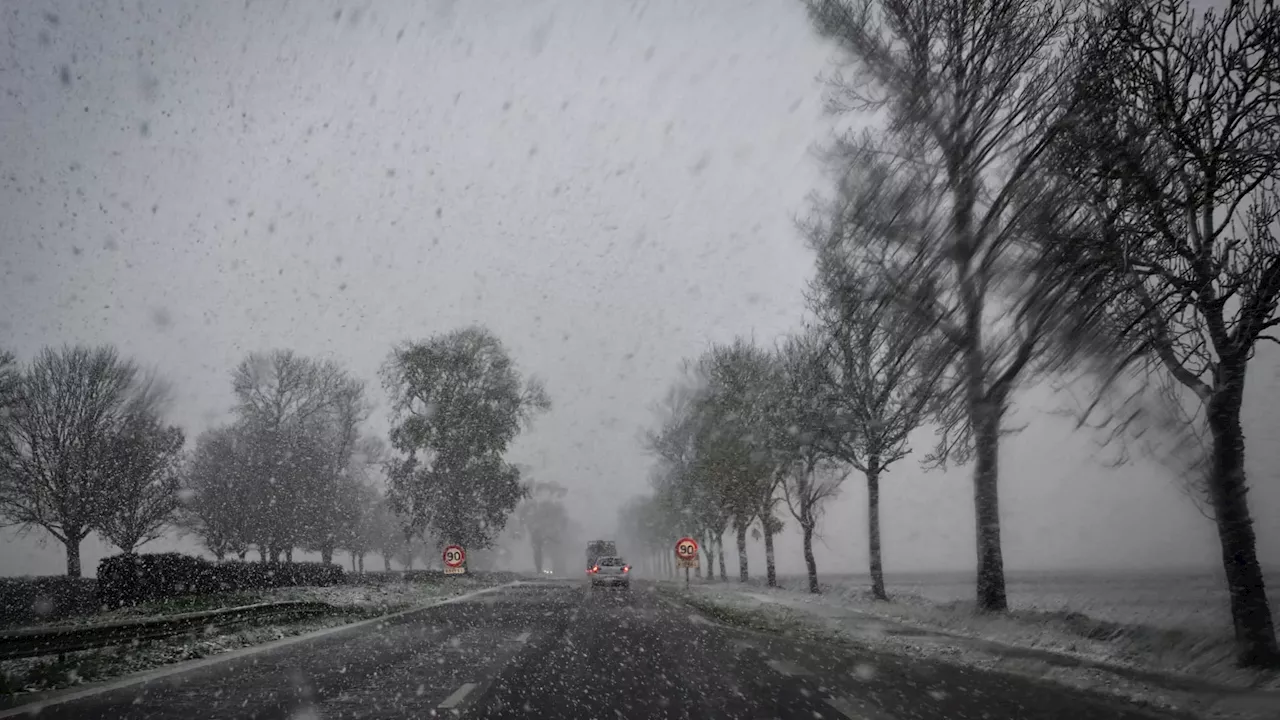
(559, 650)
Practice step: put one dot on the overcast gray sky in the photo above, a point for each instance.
(609, 186)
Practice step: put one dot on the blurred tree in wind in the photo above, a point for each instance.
(1174, 148)
(457, 403)
(942, 204)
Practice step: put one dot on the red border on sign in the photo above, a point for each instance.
(462, 555)
(682, 541)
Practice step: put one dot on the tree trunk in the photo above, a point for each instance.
(873, 529)
(326, 554)
(709, 547)
(986, 502)
(243, 554)
(360, 563)
(1255, 633)
(72, 542)
(809, 562)
(353, 562)
(724, 570)
(288, 555)
(537, 555)
(262, 553)
(769, 568)
(742, 552)
(386, 563)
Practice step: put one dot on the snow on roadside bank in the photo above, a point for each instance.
(1160, 668)
(355, 602)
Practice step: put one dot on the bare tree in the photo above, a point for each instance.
(1174, 146)
(10, 377)
(810, 483)
(542, 517)
(685, 499)
(215, 505)
(945, 201)
(733, 459)
(333, 488)
(879, 368)
(298, 423)
(145, 459)
(804, 409)
(67, 407)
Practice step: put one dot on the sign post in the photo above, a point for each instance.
(454, 559)
(686, 555)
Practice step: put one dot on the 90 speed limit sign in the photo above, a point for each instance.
(687, 552)
(454, 557)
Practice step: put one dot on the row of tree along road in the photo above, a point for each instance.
(1055, 192)
(85, 448)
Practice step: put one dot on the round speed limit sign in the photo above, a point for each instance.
(454, 556)
(687, 548)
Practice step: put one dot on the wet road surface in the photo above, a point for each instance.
(559, 650)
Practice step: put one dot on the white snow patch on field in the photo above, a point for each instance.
(954, 632)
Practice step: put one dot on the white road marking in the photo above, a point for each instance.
(59, 697)
(843, 707)
(457, 697)
(785, 668)
(523, 637)
(856, 710)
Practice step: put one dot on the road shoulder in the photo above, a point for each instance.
(15, 705)
(750, 610)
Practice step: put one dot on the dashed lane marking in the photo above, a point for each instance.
(855, 710)
(457, 697)
(844, 707)
(782, 667)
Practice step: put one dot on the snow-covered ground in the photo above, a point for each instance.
(361, 601)
(388, 596)
(1190, 668)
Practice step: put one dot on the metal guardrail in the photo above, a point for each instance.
(34, 642)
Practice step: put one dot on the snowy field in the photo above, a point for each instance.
(1102, 631)
(1173, 600)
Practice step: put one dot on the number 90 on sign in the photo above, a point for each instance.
(454, 556)
(687, 549)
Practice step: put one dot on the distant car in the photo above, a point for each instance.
(610, 571)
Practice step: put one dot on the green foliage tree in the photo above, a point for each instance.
(457, 403)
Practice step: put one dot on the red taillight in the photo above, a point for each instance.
(626, 568)
(595, 569)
